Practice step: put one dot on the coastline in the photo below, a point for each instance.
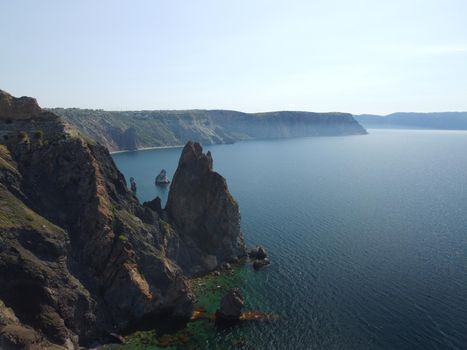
(145, 149)
(208, 290)
(229, 143)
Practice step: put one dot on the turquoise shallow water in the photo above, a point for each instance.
(368, 235)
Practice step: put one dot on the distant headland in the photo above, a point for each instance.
(132, 130)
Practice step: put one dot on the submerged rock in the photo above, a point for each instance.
(259, 264)
(162, 178)
(231, 307)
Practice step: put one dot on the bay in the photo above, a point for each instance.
(367, 234)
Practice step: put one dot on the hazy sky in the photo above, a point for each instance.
(354, 56)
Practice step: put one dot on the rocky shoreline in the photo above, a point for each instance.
(81, 260)
(208, 290)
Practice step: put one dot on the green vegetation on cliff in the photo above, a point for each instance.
(139, 129)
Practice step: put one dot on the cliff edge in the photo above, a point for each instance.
(80, 257)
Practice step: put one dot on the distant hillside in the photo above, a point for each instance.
(441, 120)
(133, 130)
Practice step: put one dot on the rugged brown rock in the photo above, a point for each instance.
(231, 307)
(34, 277)
(80, 257)
(18, 107)
(204, 215)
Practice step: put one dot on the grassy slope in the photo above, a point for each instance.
(14, 214)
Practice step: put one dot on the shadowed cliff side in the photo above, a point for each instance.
(79, 256)
(205, 216)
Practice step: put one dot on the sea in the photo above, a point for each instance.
(367, 236)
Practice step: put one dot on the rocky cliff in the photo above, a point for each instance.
(80, 257)
(137, 129)
(204, 214)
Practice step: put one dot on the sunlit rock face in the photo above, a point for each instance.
(204, 215)
(16, 107)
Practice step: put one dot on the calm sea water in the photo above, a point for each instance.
(367, 234)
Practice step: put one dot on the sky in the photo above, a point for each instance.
(357, 56)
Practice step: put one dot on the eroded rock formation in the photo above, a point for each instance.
(162, 178)
(205, 216)
(258, 253)
(80, 257)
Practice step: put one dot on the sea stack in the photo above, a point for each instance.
(133, 185)
(259, 255)
(162, 178)
(203, 213)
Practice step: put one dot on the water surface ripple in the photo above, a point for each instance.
(368, 235)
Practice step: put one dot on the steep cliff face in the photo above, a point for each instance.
(205, 216)
(115, 249)
(48, 301)
(123, 139)
(79, 256)
(130, 129)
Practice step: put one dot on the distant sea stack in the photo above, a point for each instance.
(204, 214)
(139, 129)
(80, 257)
(162, 178)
